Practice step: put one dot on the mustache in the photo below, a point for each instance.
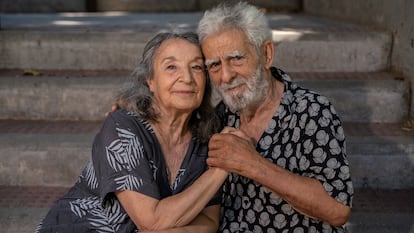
(234, 83)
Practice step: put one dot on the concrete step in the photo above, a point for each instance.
(114, 40)
(66, 95)
(42, 6)
(362, 97)
(187, 5)
(374, 211)
(38, 6)
(46, 153)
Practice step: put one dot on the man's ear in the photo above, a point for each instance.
(268, 52)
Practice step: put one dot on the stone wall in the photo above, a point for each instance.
(395, 16)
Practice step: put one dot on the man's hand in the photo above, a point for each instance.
(232, 150)
(239, 133)
(119, 104)
(114, 107)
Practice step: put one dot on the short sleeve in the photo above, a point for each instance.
(324, 149)
(120, 159)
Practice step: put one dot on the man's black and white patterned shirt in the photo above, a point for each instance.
(305, 136)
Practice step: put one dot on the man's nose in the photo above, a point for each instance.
(227, 73)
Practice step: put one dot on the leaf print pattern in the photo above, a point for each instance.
(39, 227)
(108, 219)
(102, 220)
(128, 182)
(90, 176)
(154, 169)
(123, 157)
(177, 180)
(125, 151)
(81, 207)
(304, 136)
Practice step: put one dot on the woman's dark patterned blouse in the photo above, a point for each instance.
(126, 155)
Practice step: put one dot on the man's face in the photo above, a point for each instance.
(234, 68)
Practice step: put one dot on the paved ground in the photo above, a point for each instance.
(382, 211)
(21, 208)
(82, 127)
(379, 211)
(374, 211)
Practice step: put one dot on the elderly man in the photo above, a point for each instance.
(285, 148)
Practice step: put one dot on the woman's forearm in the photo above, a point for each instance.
(205, 222)
(174, 211)
(189, 203)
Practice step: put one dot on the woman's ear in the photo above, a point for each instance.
(149, 83)
(268, 52)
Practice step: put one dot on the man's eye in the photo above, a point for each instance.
(238, 60)
(171, 67)
(213, 66)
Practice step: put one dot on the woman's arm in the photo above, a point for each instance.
(206, 222)
(175, 211)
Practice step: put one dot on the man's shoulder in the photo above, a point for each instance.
(297, 95)
(279, 74)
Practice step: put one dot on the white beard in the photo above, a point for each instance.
(253, 94)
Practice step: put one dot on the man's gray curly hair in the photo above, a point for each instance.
(241, 16)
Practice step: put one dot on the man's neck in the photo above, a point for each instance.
(254, 120)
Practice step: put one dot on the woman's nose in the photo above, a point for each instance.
(186, 76)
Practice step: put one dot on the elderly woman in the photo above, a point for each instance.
(148, 169)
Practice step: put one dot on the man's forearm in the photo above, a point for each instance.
(304, 194)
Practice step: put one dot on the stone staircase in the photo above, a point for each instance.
(58, 73)
(77, 60)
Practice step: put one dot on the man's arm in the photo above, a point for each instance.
(234, 152)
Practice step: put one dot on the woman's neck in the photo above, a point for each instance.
(172, 129)
(172, 126)
(174, 136)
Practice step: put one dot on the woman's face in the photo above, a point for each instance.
(179, 76)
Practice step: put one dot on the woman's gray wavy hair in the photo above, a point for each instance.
(138, 97)
(240, 16)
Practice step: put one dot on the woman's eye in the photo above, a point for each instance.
(197, 67)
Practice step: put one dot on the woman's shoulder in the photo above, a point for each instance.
(126, 119)
(123, 114)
